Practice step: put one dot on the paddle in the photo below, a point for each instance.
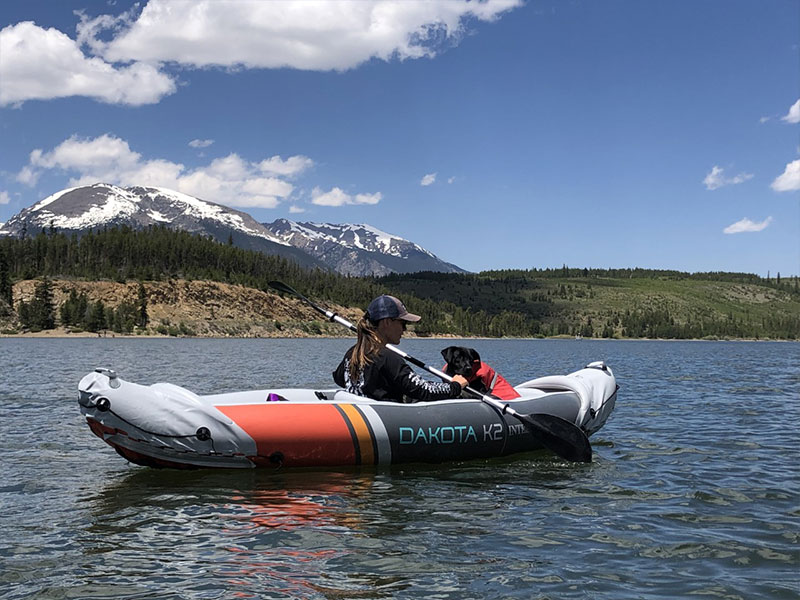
(554, 433)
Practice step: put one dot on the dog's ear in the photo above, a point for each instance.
(473, 354)
(449, 354)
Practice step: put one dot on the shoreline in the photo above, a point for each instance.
(61, 334)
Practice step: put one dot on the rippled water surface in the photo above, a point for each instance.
(694, 490)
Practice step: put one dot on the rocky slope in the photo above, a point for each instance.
(205, 308)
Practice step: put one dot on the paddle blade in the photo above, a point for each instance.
(282, 287)
(559, 436)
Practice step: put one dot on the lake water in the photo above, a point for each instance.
(694, 490)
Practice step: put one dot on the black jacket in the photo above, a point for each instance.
(389, 377)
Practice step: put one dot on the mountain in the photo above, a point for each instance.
(359, 249)
(349, 249)
(102, 205)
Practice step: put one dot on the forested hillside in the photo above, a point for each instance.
(587, 302)
(630, 303)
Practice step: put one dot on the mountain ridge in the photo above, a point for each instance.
(359, 249)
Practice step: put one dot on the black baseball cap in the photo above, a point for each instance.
(389, 307)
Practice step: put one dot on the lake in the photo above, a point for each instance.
(694, 490)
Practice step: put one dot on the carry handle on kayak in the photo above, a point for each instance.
(558, 435)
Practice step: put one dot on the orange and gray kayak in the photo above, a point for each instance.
(164, 425)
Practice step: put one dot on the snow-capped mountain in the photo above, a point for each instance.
(103, 205)
(349, 249)
(359, 249)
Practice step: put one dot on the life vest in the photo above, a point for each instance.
(488, 381)
(496, 384)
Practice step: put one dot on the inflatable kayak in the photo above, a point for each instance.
(163, 425)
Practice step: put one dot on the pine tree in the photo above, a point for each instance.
(5, 281)
(24, 314)
(97, 317)
(43, 313)
(143, 318)
(68, 311)
(39, 313)
(82, 310)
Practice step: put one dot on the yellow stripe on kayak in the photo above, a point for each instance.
(362, 433)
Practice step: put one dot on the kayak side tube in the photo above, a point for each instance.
(596, 387)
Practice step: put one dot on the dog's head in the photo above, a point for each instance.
(461, 361)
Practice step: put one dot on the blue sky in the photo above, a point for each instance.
(498, 134)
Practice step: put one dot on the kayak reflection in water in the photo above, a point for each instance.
(370, 369)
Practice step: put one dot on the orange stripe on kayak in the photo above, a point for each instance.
(303, 434)
(362, 433)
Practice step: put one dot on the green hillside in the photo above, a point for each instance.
(629, 303)
(617, 303)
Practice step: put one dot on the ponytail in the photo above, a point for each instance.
(367, 347)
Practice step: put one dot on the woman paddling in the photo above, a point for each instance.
(369, 369)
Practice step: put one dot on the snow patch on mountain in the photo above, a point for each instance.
(119, 204)
(157, 216)
(200, 209)
(358, 235)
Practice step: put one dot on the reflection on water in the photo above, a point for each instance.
(289, 507)
(252, 530)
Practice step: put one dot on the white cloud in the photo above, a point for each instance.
(294, 210)
(4, 197)
(789, 180)
(229, 180)
(338, 197)
(89, 28)
(293, 165)
(101, 153)
(716, 178)
(310, 35)
(368, 198)
(793, 116)
(126, 53)
(746, 225)
(41, 64)
(28, 176)
(201, 143)
(428, 179)
(451, 180)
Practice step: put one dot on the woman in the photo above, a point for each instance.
(370, 369)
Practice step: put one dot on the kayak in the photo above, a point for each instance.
(164, 425)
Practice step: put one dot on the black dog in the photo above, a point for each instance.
(465, 362)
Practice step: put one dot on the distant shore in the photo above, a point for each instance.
(63, 333)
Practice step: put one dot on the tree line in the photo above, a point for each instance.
(789, 284)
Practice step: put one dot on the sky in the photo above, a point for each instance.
(497, 134)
